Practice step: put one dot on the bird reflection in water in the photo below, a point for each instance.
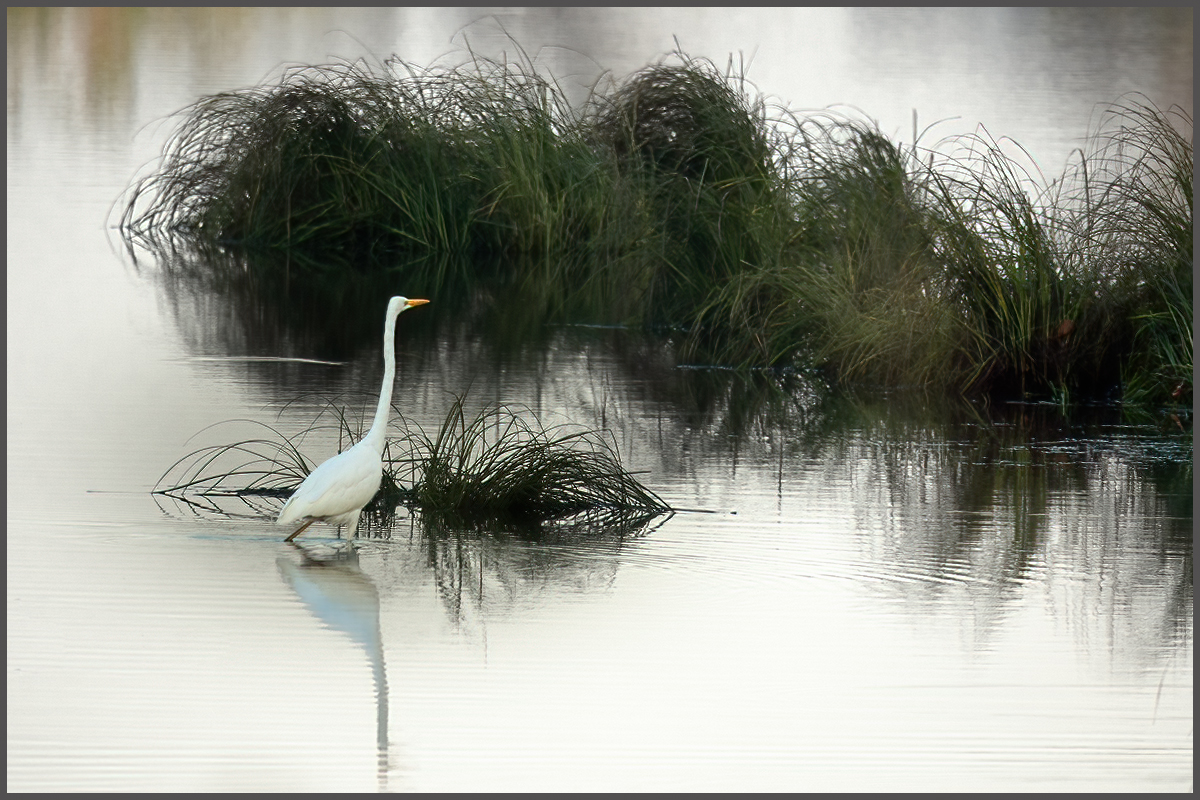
(334, 588)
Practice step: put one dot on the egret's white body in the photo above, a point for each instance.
(337, 490)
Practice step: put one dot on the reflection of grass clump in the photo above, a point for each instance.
(677, 197)
(497, 468)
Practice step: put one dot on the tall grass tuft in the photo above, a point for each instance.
(1127, 225)
(695, 143)
(499, 466)
(1001, 272)
(321, 162)
(854, 287)
(351, 160)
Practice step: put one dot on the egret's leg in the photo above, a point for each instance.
(353, 525)
(300, 530)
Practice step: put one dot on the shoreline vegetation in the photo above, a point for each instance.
(679, 199)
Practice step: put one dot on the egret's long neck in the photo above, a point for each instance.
(376, 435)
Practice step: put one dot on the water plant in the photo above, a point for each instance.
(270, 465)
(854, 286)
(500, 465)
(1127, 225)
(999, 269)
(678, 198)
(696, 143)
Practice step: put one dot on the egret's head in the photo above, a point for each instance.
(398, 304)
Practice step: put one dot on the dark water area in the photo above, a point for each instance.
(860, 590)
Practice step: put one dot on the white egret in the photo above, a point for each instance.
(336, 491)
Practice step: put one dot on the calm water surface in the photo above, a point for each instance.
(870, 594)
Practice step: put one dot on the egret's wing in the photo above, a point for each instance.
(341, 485)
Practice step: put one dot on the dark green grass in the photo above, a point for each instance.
(499, 465)
(695, 145)
(332, 159)
(677, 197)
(245, 472)
(1127, 228)
(998, 268)
(961, 267)
(852, 287)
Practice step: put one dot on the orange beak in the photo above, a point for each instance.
(412, 303)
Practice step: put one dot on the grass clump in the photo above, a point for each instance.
(854, 286)
(346, 159)
(960, 267)
(1127, 226)
(332, 159)
(695, 144)
(499, 466)
(1000, 271)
